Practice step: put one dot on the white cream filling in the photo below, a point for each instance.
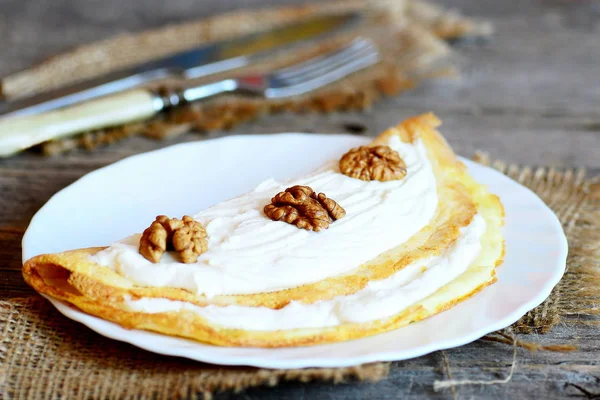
(379, 299)
(249, 253)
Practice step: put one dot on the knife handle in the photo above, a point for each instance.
(19, 133)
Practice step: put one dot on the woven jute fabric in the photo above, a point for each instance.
(411, 36)
(45, 355)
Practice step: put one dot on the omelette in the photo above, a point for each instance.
(384, 236)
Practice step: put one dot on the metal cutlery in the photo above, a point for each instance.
(203, 61)
(20, 133)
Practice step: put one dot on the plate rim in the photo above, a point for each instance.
(103, 327)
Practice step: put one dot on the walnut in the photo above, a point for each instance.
(190, 240)
(154, 241)
(186, 236)
(334, 210)
(301, 206)
(370, 163)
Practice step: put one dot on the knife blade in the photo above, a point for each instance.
(203, 61)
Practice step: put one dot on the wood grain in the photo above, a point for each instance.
(530, 95)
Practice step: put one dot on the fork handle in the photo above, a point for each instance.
(19, 133)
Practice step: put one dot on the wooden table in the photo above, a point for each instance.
(531, 96)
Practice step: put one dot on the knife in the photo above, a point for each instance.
(202, 61)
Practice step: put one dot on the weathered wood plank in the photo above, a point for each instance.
(542, 58)
(538, 375)
(529, 96)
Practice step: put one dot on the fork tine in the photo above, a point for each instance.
(355, 46)
(310, 78)
(324, 67)
(310, 74)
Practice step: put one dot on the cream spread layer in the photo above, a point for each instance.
(379, 299)
(249, 253)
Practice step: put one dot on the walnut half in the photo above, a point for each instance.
(301, 206)
(373, 163)
(186, 236)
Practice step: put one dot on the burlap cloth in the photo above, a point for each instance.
(45, 355)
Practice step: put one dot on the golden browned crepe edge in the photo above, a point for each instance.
(99, 300)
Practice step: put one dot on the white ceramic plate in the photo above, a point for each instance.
(112, 202)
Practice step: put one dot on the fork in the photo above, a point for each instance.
(19, 133)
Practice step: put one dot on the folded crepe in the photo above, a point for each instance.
(405, 250)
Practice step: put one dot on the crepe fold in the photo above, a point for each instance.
(98, 290)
